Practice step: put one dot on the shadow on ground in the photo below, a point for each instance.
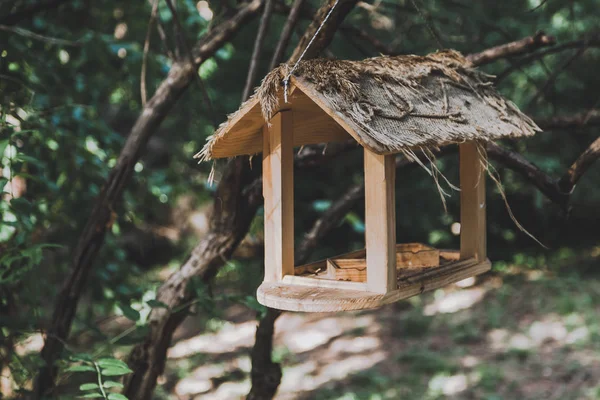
(511, 334)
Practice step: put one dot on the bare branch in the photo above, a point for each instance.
(522, 46)
(286, 33)
(592, 40)
(558, 191)
(163, 37)
(552, 78)
(371, 40)
(587, 118)
(515, 161)
(258, 45)
(37, 36)
(579, 167)
(326, 35)
(146, 48)
(234, 208)
(91, 239)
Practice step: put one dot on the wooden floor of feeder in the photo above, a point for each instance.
(313, 290)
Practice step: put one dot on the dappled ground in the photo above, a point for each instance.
(511, 334)
(515, 333)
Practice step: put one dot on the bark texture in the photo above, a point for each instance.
(235, 205)
(91, 239)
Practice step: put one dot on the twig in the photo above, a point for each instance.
(326, 35)
(258, 45)
(180, 39)
(37, 36)
(515, 161)
(143, 92)
(182, 44)
(552, 78)
(286, 33)
(592, 40)
(379, 46)
(518, 47)
(163, 37)
(579, 167)
(538, 6)
(586, 118)
(92, 237)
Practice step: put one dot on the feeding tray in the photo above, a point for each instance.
(353, 266)
(315, 288)
(405, 105)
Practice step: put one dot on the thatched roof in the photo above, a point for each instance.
(388, 104)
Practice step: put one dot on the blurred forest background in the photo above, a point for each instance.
(123, 274)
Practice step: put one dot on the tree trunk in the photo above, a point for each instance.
(236, 209)
(180, 76)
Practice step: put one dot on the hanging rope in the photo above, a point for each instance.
(286, 80)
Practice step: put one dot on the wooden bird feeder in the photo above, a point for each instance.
(389, 105)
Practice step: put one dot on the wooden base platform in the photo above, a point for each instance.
(311, 290)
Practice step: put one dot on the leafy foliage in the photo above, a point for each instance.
(104, 369)
(70, 94)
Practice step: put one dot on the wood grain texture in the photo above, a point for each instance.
(320, 100)
(293, 297)
(311, 125)
(347, 269)
(323, 283)
(278, 191)
(380, 222)
(472, 202)
(416, 255)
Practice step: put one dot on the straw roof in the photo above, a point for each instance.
(394, 104)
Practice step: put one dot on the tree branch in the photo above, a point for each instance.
(515, 161)
(557, 190)
(235, 205)
(37, 36)
(522, 46)
(327, 32)
(592, 40)
(375, 43)
(579, 120)
(552, 78)
(92, 238)
(258, 45)
(579, 167)
(286, 33)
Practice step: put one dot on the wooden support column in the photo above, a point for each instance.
(380, 221)
(472, 203)
(278, 191)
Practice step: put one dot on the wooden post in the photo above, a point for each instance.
(278, 191)
(380, 221)
(472, 203)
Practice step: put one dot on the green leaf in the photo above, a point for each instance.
(3, 145)
(89, 386)
(112, 384)
(82, 357)
(92, 396)
(81, 368)
(129, 312)
(116, 396)
(32, 160)
(112, 362)
(112, 371)
(156, 304)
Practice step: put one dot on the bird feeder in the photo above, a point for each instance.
(390, 105)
